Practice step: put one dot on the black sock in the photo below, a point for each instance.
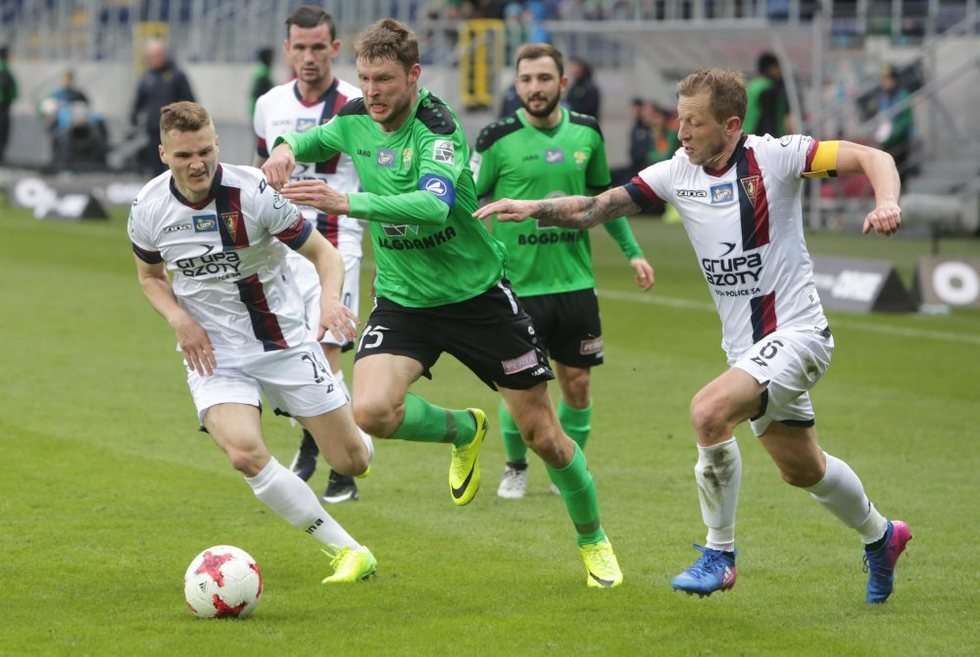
(877, 545)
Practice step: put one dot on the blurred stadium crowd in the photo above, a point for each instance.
(898, 74)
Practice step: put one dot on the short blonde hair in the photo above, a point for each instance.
(727, 89)
(183, 116)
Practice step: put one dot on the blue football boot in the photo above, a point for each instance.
(880, 563)
(713, 571)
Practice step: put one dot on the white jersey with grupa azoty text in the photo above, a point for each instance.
(746, 225)
(226, 258)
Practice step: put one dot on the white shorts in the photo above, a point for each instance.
(309, 287)
(788, 362)
(296, 381)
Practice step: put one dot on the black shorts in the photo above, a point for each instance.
(491, 334)
(568, 326)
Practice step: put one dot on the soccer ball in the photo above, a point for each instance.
(223, 581)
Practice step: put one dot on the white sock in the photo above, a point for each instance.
(841, 492)
(338, 377)
(718, 474)
(291, 498)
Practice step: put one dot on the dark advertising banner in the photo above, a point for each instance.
(860, 285)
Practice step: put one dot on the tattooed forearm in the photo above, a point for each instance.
(567, 212)
(585, 211)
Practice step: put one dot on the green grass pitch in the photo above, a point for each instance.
(107, 490)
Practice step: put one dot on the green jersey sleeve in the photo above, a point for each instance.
(484, 167)
(441, 158)
(316, 145)
(619, 229)
(418, 208)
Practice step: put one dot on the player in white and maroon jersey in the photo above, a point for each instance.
(740, 199)
(313, 98)
(284, 109)
(240, 321)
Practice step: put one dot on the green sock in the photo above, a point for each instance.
(427, 423)
(514, 448)
(576, 422)
(574, 481)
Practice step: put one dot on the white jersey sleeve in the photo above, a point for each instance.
(786, 157)
(276, 214)
(138, 234)
(141, 227)
(799, 156)
(651, 184)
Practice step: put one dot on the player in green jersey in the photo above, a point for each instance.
(439, 284)
(540, 151)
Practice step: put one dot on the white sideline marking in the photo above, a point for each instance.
(885, 329)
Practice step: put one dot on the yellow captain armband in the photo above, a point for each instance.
(821, 160)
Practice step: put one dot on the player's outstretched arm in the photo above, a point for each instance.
(317, 194)
(334, 315)
(279, 166)
(192, 338)
(879, 167)
(566, 211)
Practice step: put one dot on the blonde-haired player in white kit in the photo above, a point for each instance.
(306, 102)
(740, 198)
(240, 321)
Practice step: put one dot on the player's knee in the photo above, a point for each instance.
(248, 461)
(544, 439)
(801, 475)
(376, 416)
(351, 459)
(358, 461)
(708, 417)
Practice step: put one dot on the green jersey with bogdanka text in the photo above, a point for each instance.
(517, 160)
(418, 196)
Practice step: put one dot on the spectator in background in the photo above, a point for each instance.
(639, 145)
(639, 138)
(79, 137)
(663, 137)
(663, 144)
(162, 83)
(895, 131)
(583, 95)
(8, 94)
(262, 78)
(768, 104)
(68, 93)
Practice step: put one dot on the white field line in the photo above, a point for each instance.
(885, 329)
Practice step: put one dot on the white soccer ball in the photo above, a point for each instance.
(223, 581)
